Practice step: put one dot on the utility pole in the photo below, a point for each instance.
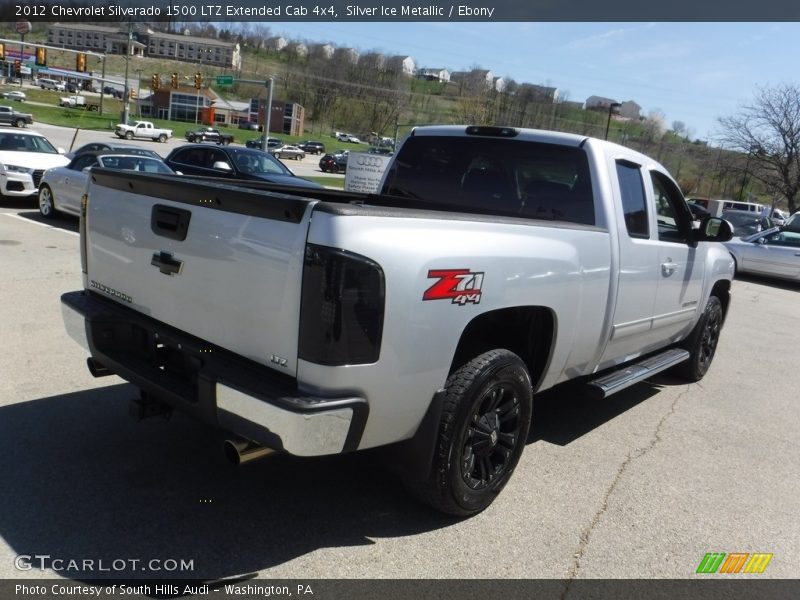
(265, 138)
(126, 111)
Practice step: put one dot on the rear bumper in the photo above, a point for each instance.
(220, 388)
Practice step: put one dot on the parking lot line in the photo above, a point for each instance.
(15, 216)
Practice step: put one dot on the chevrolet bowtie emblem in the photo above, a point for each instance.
(166, 263)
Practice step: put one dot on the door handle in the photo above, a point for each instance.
(668, 268)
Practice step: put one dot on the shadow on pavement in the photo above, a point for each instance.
(61, 221)
(83, 481)
(563, 414)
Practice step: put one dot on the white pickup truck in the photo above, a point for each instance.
(77, 101)
(142, 129)
(495, 263)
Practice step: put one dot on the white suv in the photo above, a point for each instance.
(24, 157)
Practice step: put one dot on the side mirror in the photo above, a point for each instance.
(60, 150)
(761, 241)
(714, 229)
(221, 165)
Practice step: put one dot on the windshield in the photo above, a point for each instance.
(494, 176)
(746, 224)
(134, 163)
(258, 163)
(20, 142)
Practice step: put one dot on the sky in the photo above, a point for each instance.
(693, 72)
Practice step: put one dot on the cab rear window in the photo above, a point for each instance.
(494, 176)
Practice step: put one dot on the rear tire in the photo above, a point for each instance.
(486, 415)
(702, 343)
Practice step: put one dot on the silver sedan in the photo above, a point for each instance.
(61, 188)
(773, 253)
(289, 152)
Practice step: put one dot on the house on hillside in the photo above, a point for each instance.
(401, 64)
(599, 103)
(324, 51)
(298, 49)
(275, 44)
(630, 110)
(434, 74)
(474, 80)
(374, 61)
(348, 55)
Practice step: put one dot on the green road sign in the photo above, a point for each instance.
(224, 79)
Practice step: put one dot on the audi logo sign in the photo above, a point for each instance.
(364, 172)
(369, 160)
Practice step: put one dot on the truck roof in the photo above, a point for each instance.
(517, 133)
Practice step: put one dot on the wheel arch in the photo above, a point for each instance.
(722, 290)
(527, 331)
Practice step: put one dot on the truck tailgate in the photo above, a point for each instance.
(218, 261)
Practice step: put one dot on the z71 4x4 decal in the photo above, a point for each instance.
(457, 285)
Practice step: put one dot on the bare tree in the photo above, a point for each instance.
(653, 127)
(678, 127)
(767, 131)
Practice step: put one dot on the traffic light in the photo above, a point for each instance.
(155, 82)
(132, 94)
(18, 67)
(80, 62)
(174, 81)
(198, 80)
(41, 57)
(2, 51)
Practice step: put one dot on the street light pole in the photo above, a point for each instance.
(611, 107)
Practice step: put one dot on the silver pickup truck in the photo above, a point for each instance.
(493, 264)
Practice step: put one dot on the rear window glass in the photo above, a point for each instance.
(495, 176)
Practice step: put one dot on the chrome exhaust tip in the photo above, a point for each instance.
(241, 451)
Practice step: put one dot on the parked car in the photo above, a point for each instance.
(334, 163)
(746, 223)
(234, 162)
(792, 223)
(698, 212)
(209, 134)
(779, 217)
(384, 150)
(774, 253)
(51, 84)
(113, 146)
(249, 125)
(288, 152)
(312, 147)
(14, 95)
(61, 188)
(112, 91)
(25, 155)
(259, 141)
(347, 137)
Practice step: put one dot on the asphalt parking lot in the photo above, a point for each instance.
(641, 485)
